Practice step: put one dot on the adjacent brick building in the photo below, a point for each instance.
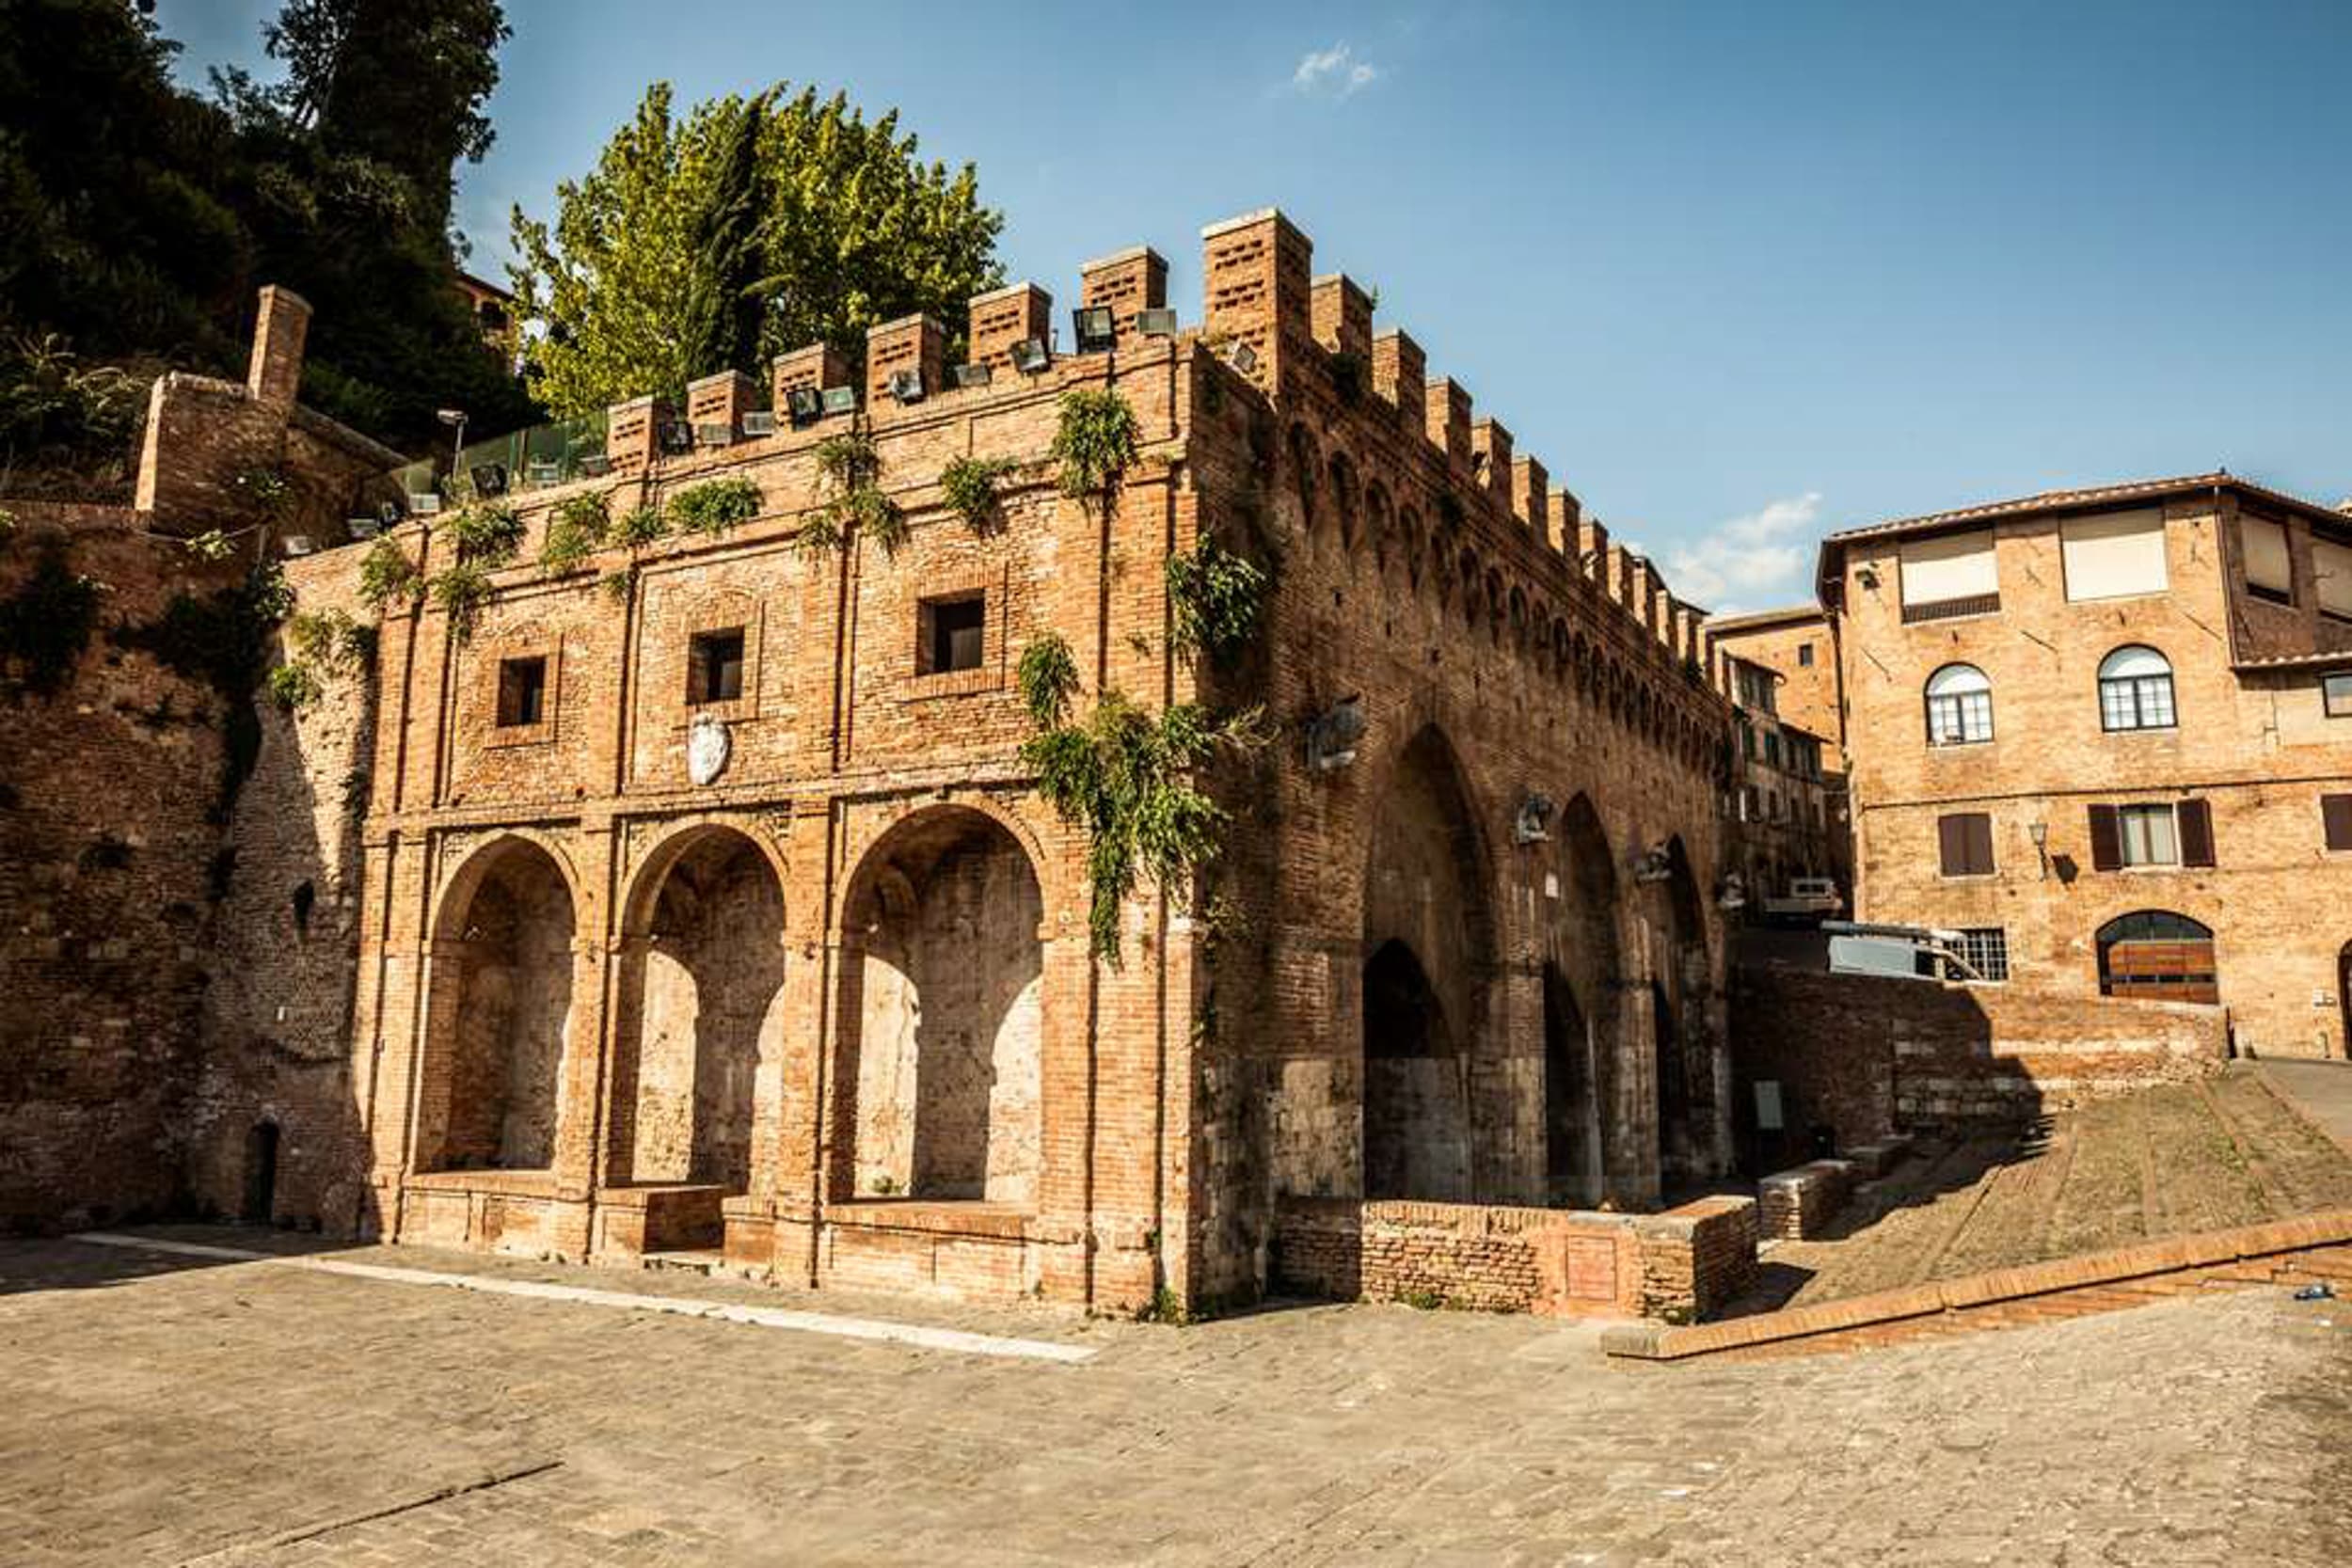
(1785, 813)
(697, 895)
(2107, 733)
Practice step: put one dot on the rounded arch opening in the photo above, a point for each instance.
(2157, 956)
(1583, 964)
(702, 1013)
(942, 1009)
(1429, 946)
(500, 1023)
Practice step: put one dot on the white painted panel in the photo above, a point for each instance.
(2113, 555)
(1949, 566)
(2333, 565)
(2266, 562)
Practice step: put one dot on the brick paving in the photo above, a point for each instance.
(163, 1410)
(2170, 1161)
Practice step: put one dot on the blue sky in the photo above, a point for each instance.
(1737, 274)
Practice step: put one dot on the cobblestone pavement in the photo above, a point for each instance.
(2163, 1161)
(166, 1410)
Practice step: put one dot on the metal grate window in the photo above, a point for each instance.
(1986, 948)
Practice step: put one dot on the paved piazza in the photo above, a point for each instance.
(171, 1409)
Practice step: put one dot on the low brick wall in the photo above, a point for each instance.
(1679, 1266)
(1869, 1056)
(2315, 1247)
(1792, 1205)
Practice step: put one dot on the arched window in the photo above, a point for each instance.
(1960, 707)
(2156, 956)
(2134, 691)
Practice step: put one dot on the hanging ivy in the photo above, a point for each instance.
(1218, 600)
(848, 468)
(641, 526)
(486, 535)
(714, 506)
(970, 484)
(320, 647)
(1095, 440)
(388, 577)
(577, 529)
(222, 639)
(1127, 778)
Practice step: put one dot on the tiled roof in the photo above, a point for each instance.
(2055, 500)
(1765, 617)
(2296, 661)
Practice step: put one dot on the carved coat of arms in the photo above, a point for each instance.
(708, 746)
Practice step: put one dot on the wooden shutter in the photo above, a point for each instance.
(1964, 840)
(2106, 840)
(1952, 840)
(1979, 840)
(2336, 812)
(2196, 822)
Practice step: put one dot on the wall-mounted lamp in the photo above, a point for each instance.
(1867, 577)
(2040, 833)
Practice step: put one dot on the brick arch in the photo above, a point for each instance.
(1341, 470)
(679, 838)
(1305, 466)
(460, 879)
(991, 806)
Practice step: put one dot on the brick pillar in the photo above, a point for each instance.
(818, 365)
(1400, 374)
(1491, 447)
(1008, 316)
(1531, 497)
(1567, 520)
(632, 434)
(722, 399)
(280, 328)
(1256, 271)
(1448, 419)
(1132, 280)
(1592, 540)
(1341, 315)
(909, 343)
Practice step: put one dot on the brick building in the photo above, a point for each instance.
(1786, 814)
(697, 895)
(2107, 733)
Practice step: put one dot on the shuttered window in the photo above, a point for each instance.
(1953, 574)
(2113, 555)
(2331, 565)
(2151, 835)
(1965, 841)
(2270, 569)
(2335, 815)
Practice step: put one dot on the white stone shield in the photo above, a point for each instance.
(708, 746)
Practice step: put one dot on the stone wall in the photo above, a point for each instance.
(108, 789)
(1681, 1266)
(1869, 1056)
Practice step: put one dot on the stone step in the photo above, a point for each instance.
(705, 1262)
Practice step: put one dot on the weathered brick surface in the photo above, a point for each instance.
(1793, 1205)
(1868, 1057)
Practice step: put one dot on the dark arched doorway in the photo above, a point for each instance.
(261, 1174)
(1567, 1092)
(1415, 1115)
(1428, 967)
(1583, 976)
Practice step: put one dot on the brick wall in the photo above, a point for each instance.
(1869, 1056)
(1681, 1266)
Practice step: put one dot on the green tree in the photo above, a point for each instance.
(722, 326)
(853, 230)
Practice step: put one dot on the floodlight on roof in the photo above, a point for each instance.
(424, 503)
(595, 466)
(296, 544)
(907, 385)
(973, 375)
(1097, 329)
(542, 472)
(490, 479)
(361, 527)
(804, 404)
(677, 437)
(1243, 358)
(1155, 324)
(759, 422)
(1030, 355)
(714, 433)
(840, 400)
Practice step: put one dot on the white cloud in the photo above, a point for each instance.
(1334, 72)
(1756, 561)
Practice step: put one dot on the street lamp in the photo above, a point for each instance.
(2040, 833)
(455, 420)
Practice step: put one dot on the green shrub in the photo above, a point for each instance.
(1218, 600)
(577, 529)
(387, 576)
(643, 526)
(488, 534)
(970, 486)
(295, 686)
(714, 506)
(1095, 440)
(850, 469)
(461, 591)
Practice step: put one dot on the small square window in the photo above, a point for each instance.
(522, 691)
(714, 666)
(1804, 654)
(2336, 691)
(954, 634)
